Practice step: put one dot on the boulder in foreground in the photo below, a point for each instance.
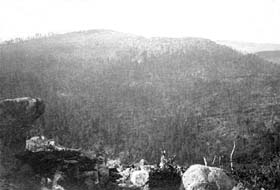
(16, 116)
(200, 177)
(20, 111)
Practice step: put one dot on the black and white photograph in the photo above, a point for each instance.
(139, 94)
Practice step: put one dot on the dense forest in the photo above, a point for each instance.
(130, 97)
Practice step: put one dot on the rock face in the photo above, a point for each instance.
(15, 117)
(200, 177)
(20, 111)
(139, 178)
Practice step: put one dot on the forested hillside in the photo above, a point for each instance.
(129, 96)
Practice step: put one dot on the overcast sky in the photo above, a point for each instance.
(237, 20)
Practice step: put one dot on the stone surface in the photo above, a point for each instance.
(20, 111)
(200, 177)
(139, 178)
(15, 115)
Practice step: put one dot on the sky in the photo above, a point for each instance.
(236, 20)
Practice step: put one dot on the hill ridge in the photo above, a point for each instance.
(119, 93)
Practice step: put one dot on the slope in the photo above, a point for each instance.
(129, 96)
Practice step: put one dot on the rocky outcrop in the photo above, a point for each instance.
(139, 178)
(200, 177)
(16, 116)
(20, 111)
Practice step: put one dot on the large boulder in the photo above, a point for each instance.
(16, 116)
(200, 177)
(20, 111)
(139, 178)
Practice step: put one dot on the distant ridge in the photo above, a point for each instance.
(273, 56)
(249, 47)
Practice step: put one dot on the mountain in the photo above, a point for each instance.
(273, 56)
(129, 96)
(249, 47)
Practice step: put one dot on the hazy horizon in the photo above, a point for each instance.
(254, 21)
